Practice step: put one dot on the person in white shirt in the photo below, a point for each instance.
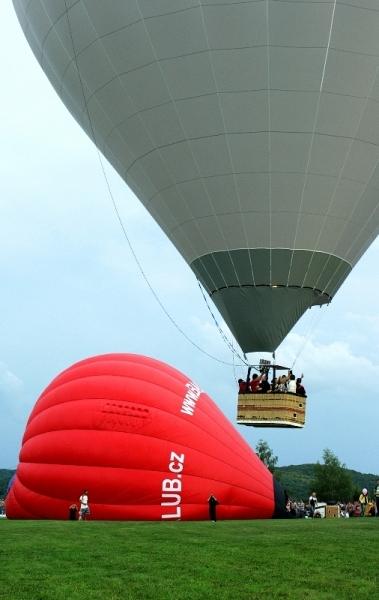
(84, 506)
(312, 503)
(291, 385)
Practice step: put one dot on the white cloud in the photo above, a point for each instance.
(332, 364)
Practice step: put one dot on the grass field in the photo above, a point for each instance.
(294, 559)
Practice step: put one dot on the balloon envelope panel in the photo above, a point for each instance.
(249, 130)
(144, 440)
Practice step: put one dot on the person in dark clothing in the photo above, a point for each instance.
(265, 386)
(300, 390)
(73, 512)
(212, 503)
(243, 386)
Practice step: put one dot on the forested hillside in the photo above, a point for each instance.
(5, 475)
(297, 480)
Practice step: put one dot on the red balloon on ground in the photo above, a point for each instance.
(145, 442)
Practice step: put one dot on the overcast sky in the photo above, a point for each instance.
(70, 287)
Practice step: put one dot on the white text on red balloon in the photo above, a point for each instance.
(172, 488)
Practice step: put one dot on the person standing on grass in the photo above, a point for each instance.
(84, 506)
(312, 503)
(73, 512)
(376, 494)
(212, 503)
(363, 501)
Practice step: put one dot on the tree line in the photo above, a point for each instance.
(331, 479)
(5, 476)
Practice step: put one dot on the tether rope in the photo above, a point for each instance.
(315, 322)
(221, 332)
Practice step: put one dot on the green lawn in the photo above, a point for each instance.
(294, 559)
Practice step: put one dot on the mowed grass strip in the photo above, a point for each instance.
(294, 559)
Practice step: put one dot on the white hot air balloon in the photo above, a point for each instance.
(249, 131)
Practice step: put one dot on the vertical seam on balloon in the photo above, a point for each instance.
(185, 98)
(243, 292)
(236, 133)
(172, 101)
(351, 261)
(51, 28)
(85, 111)
(310, 149)
(74, 3)
(171, 58)
(237, 191)
(54, 23)
(258, 173)
(187, 141)
(269, 133)
(299, 249)
(354, 241)
(122, 139)
(351, 4)
(81, 112)
(92, 131)
(333, 196)
(371, 238)
(172, 177)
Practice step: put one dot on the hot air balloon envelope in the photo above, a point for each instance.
(249, 131)
(145, 442)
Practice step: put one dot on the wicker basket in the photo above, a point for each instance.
(271, 410)
(332, 512)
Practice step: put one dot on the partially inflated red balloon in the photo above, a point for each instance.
(144, 440)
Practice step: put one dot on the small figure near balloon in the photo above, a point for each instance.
(313, 504)
(73, 512)
(84, 506)
(212, 503)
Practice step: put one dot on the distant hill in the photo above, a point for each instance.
(297, 480)
(5, 476)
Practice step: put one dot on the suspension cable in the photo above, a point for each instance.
(315, 322)
(221, 332)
